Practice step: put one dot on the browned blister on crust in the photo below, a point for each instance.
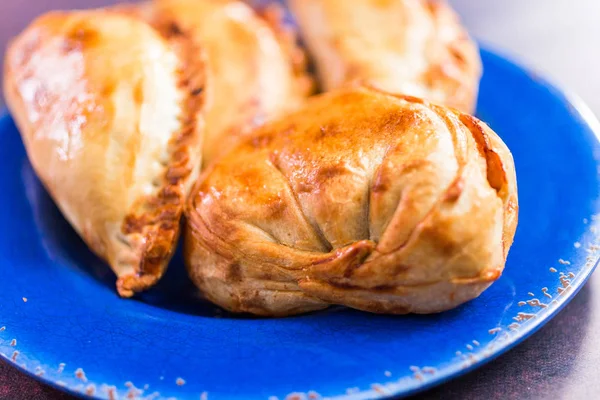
(410, 47)
(380, 202)
(110, 111)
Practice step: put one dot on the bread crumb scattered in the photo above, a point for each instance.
(429, 370)
(80, 374)
(90, 390)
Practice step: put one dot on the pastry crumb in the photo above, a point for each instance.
(378, 388)
(429, 370)
(80, 374)
(111, 392)
(90, 390)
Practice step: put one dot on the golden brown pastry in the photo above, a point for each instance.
(383, 203)
(412, 47)
(110, 111)
(255, 69)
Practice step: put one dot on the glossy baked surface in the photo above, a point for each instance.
(379, 202)
(118, 106)
(110, 111)
(73, 316)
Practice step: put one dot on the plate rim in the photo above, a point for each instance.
(580, 109)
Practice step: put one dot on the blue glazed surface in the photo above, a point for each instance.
(183, 347)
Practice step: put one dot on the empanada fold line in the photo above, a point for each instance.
(500, 178)
(318, 232)
(440, 113)
(274, 15)
(277, 255)
(157, 218)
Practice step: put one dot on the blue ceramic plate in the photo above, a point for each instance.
(61, 320)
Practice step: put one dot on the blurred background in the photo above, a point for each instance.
(559, 39)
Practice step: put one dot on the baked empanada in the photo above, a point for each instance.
(379, 202)
(411, 47)
(116, 115)
(110, 112)
(255, 69)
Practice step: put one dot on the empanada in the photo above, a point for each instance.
(379, 202)
(117, 106)
(255, 69)
(110, 112)
(412, 47)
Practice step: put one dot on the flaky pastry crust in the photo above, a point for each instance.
(411, 47)
(110, 111)
(379, 202)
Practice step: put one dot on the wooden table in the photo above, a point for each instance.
(559, 38)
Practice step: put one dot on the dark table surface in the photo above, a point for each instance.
(557, 37)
